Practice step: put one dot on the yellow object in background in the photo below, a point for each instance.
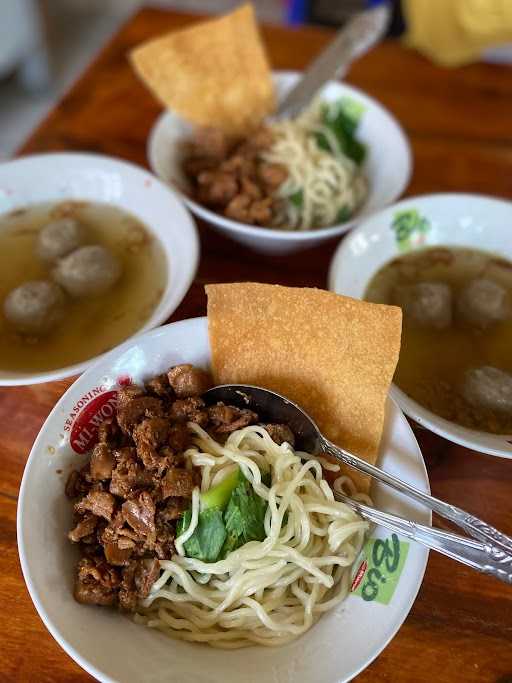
(456, 32)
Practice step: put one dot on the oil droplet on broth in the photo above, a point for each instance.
(92, 325)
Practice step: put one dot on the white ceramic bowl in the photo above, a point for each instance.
(388, 168)
(111, 647)
(462, 220)
(91, 177)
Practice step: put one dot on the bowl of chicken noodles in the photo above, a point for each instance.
(290, 184)
(160, 534)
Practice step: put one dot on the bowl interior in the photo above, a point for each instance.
(449, 220)
(109, 645)
(388, 164)
(61, 177)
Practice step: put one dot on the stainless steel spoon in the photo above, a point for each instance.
(490, 553)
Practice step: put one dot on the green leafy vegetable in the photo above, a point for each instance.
(321, 141)
(348, 110)
(218, 496)
(245, 514)
(355, 150)
(297, 199)
(344, 214)
(232, 514)
(342, 119)
(208, 538)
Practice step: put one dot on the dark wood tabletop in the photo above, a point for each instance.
(459, 124)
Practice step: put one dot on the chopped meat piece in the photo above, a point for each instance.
(146, 573)
(179, 437)
(216, 188)
(164, 543)
(76, 484)
(119, 552)
(250, 188)
(153, 431)
(150, 457)
(272, 175)
(138, 577)
(117, 530)
(140, 514)
(171, 457)
(239, 164)
(127, 593)
(260, 211)
(100, 503)
(173, 509)
(177, 482)
(128, 474)
(84, 528)
(280, 433)
(159, 386)
(226, 419)
(187, 381)
(136, 409)
(238, 208)
(102, 462)
(189, 410)
(109, 432)
(149, 435)
(127, 394)
(96, 582)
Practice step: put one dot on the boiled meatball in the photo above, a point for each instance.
(35, 307)
(483, 302)
(428, 304)
(87, 271)
(59, 238)
(488, 387)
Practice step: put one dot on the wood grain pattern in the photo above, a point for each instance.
(460, 627)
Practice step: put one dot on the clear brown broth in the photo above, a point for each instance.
(95, 324)
(433, 362)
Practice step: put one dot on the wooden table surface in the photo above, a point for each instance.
(459, 124)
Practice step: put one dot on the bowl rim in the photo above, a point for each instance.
(181, 286)
(57, 634)
(288, 235)
(473, 439)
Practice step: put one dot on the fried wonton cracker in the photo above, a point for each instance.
(214, 73)
(332, 355)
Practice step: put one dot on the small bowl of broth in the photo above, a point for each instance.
(93, 251)
(446, 260)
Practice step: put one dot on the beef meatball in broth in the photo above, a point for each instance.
(35, 307)
(59, 238)
(87, 271)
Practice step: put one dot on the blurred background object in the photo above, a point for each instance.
(46, 44)
(457, 32)
(23, 43)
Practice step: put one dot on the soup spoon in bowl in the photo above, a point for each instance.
(488, 550)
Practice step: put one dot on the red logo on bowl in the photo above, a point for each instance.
(84, 432)
(359, 576)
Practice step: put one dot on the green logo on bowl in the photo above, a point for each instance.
(410, 229)
(379, 569)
